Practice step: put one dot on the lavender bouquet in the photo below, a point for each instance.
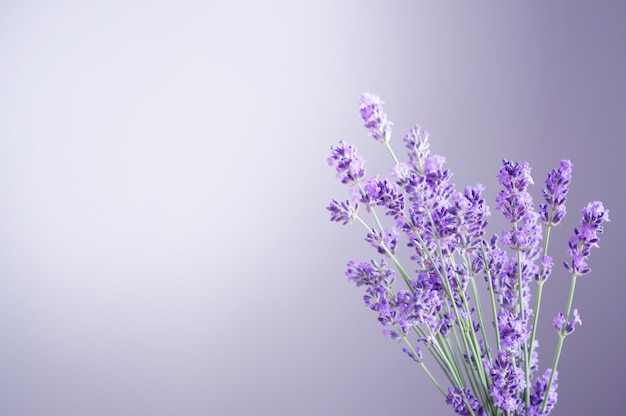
(487, 352)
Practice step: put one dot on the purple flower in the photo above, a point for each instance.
(399, 313)
(344, 212)
(471, 210)
(417, 357)
(370, 274)
(375, 118)
(514, 201)
(442, 224)
(445, 230)
(515, 177)
(434, 164)
(402, 172)
(513, 331)
(497, 264)
(416, 307)
(534, 357)
(508, 285)
(348, 165)
(546, 267)
(538, 393)
(526, 235)
(586, 237)
(384, 193)
(376, 297)
(383, 240)
(564, 326)
(430, 216)
(507, 379)
(555, 194)
(417, 143)
(517, 206)
(436, 175)
(559, 321)
(459, 400)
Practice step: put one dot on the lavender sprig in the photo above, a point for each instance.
(444, 230)
(551, 213)
(585, 237)
(375, 118)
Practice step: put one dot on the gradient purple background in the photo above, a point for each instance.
(164, 248)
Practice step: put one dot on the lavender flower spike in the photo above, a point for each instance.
(417, 143)
(460, 399)
(565, 327)
(586, 237)
(539, 392)
(375, 118)
(555, 194)
(514, 201)
(344, 212)
(348, 165)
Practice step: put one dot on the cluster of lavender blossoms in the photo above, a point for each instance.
(438, 308)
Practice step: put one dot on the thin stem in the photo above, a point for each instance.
(523, 318)
(450, 358)
(571, 295)
(559, 346)
(444, 364)
(557, 355)
(438, 352)
(491, 295)
(453, 357)
(371, 210)
(393, 258)
(474, 345)
(480, 314)
(539, 293)
(393, 155)
(433, 379)
(524, 347)
(471, 377)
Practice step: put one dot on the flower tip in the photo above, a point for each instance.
(566, 165)
(367, 98)
(375, 119)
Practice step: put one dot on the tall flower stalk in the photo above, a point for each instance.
(487, 353)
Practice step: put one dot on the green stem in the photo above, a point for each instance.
(471, 377)
(524, 347)
(437, 349)
(538, 302)
(571, 296)
(393, 155)
(492, 296)
(559, 346)
(453, 357)
(432, 378)
(522, 317)
(393, 258)
(474, 346)
(372, 211)
(480, 314)
(443, 363)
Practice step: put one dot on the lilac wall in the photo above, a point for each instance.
(164, 248)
